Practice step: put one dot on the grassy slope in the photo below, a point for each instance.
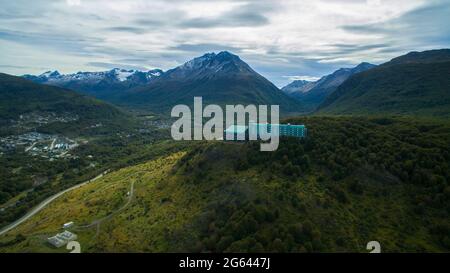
(108, 194)
(353, 181)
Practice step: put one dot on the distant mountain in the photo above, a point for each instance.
(414, 84)
(221, 78)
(20, 97)
(311, 94)
(102, 85)
(297, 86)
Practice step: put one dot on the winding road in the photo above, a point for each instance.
(45, 203)
(98, 222)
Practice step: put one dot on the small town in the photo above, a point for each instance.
(38, 144)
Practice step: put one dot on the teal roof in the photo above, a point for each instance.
(281, 125)
(281, 129)
(236, 129)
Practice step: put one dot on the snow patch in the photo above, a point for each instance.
(122, 74)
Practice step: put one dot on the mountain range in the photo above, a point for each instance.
(221, 78)
(103, 85)
(416, 83)
(312, 94)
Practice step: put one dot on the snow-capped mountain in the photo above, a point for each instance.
(99, 84)
(117, 74)
(220, 78)
(210, 64)
(298, 85)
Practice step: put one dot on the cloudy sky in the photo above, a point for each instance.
(282, 40)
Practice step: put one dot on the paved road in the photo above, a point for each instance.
(43, 204)
(31, 147)
(53, 144)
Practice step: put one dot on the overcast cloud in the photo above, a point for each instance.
(282, 40)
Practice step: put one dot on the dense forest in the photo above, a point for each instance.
(351, 179)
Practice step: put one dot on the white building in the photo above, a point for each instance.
(56, 242)
(61, 239)
(67, 225)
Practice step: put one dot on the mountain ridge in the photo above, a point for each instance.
(312, 94)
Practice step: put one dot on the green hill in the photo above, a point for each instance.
(415, 84)
(20, 97)
(353, 180)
